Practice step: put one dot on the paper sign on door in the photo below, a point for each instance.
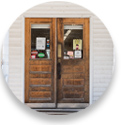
(40, 43)
(78, 54)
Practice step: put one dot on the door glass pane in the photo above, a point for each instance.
(40, 41)
(73, 41)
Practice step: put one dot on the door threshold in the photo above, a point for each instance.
(58, 106)
(72, 105)
(41, 105)
(57, 111)
(61, 109)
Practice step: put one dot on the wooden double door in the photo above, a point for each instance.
(57, 62)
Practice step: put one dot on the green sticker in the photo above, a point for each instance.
(41, 55)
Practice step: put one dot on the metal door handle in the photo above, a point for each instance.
(59, 71)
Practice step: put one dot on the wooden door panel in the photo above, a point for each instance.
(79, 68)
(39, 88)
(75, 62)
(73, 85)
(39, 62)
(73, 76)
(67, 82)
(73, 95)
(74, 88)
(40, 73)
(44, 68)
(67, 69)
(72, 68)
(40, 81)
(36, 94)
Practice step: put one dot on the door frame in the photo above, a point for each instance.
(90, 56)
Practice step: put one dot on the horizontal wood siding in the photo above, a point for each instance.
(102, 50)
(15, 59)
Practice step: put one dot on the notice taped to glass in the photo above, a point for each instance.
(40, 43)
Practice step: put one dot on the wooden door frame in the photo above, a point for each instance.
(90, 55)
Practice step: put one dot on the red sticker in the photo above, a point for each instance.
(34, 52)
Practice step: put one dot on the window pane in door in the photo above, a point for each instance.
(73, 41)
(40, 41)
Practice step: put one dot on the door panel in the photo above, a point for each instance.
(37, 75)
(40, 81)
(73, 83)
(40, 69)
(40, 62)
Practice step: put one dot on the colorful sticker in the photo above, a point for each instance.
(70, 53)
(41, 55)
(33, 56)
(34, 52)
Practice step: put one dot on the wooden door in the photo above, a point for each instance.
(73, 62)
(40, 78)
(56, 81)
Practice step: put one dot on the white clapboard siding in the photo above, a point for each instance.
(15, 52)
(102, 46)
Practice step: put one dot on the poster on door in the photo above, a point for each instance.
(40, 43)
(78, 54)
(77, 44)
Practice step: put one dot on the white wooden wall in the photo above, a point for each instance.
(5, 57)
(102, 47)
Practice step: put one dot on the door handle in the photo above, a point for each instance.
(59, 71)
